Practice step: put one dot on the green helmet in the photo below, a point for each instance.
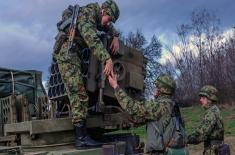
(112, 9)
(166, 84)
(209, 92)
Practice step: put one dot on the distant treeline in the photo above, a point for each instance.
(202, 54)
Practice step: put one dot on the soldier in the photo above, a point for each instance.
(91, 18)
(211, 129)
(157, 114)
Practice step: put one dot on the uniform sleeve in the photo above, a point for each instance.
(87, 30)
(147, 110)
(203, 130)
(112, 31)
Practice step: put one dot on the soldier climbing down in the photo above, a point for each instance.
(91, 18)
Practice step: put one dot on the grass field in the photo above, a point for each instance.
(192, 116)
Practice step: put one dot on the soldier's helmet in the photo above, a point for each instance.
(166, 84)
(112, 9)
(209, 92)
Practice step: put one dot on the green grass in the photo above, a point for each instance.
(192, 116)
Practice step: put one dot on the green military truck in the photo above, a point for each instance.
(35, 122)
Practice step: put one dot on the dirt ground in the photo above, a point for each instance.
(197, 149)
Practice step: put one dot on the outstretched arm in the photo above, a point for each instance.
(203, 130)
(88, 32)
(147, 110)
(115, 42)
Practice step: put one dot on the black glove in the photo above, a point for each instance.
(191, 140)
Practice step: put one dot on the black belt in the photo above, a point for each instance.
(154, 152)
(216, 142)
(208, 143)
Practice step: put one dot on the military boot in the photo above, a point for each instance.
(82, 138)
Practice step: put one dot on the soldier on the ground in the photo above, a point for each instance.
(211, 129)
(91, 18)
(158, 114)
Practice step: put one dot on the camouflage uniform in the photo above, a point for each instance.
(159, 109)
(211, 129)
(148, 111)
(89, 21)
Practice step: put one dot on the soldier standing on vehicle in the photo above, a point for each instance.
(158, 115)
(211, 129)
(91, 18)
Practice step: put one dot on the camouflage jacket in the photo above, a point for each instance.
(149, 111)
(89, 21)
(156, 113)
(88, 24)
(211, 127)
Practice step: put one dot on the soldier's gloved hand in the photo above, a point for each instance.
(191, 140)
(113, 80)
(108, 66)
(114, 45)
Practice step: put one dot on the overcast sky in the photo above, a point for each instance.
(28, 27)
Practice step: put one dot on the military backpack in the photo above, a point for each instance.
(167, 136)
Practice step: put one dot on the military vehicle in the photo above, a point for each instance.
(34, 122)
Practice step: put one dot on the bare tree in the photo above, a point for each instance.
(205, 57)
(136, 40)
(153, 53)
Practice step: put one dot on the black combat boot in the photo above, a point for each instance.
(83, 140)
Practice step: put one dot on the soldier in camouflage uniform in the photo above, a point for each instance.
(211, 129)
(157, 112)
(91, 18)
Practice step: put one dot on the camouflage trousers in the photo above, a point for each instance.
(154, 154)
(213, 150)
(171, 151)
(209, 152)
(70, 69)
